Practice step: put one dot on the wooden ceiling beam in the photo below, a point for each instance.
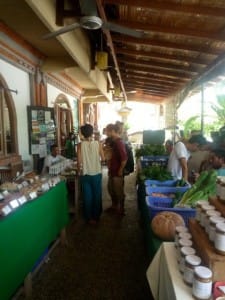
(140, 97)
(131, 71)
(172, 30)
(135, 73)
(150, 82)
(146, 87)
(165, 44)
(142, 62)
(160, 72)
(170, 6)
(111, 45)
(153, 79)
(178, 71)
(163, 56)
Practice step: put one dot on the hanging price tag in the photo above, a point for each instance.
(33, 195)
(14, 203)
(6, 210)
(25, 183)
(19, 186)
(22, 200)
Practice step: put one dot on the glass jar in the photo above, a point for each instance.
(210, 213)
(182, 243)
(199, 208)
(219, 241)
(205, 208)
(178, 230)
(191, 261)
(222, 191)
(218, 183)
(212, 226)
(184, 235)
(184, 251)
(202, 283)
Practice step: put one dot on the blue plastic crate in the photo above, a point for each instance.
(156, 205)
(165, 189)
(151, 182)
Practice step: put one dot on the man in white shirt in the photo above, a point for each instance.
(52, 158)
(180, 154)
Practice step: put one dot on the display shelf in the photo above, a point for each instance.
(206, 250)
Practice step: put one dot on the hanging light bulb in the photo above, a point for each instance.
(124, 111)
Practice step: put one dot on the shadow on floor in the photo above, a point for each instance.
(107, 261)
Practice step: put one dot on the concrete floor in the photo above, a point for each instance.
(108, 261)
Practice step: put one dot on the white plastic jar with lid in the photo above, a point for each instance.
(221, 195)
(199, 204)
(212, 226)
(178, 230)
(182, 243)
(184, 235)
(218, 185)
(205, 208)
(210, 213)
(202, 283)
(191, 261)
(219, 241)
(184, 251)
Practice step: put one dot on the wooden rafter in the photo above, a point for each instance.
(173, 30)
(162, 56)
(165, 44)
(159, 80)
(169, 66)
(173, 7)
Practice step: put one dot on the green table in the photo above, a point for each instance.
(152, 242)
(27, 233)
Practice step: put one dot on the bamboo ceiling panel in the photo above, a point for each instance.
(182, 41)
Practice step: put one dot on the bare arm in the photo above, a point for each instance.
(184, 167)
(101, 152)
(122, 165)
(79, 160)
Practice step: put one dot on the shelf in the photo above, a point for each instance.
(205, 249)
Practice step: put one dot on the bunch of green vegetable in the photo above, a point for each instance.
(204, 187)
(150, 149)
(154, 172)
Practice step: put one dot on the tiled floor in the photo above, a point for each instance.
(107, 261)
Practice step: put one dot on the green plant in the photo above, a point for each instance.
(219, 109)
(193, 123)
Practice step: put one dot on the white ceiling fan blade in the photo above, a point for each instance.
(61, 31)
(123, 29)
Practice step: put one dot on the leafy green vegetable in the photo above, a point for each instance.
(150, 149)
(201, 190)
(155, 172)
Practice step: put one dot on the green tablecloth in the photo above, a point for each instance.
(152, 242)
(26, 234)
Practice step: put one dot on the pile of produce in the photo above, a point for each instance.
(150, 149)
(156, 172)
(204, 187)
(164, 225)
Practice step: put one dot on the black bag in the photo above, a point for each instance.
(129, 167)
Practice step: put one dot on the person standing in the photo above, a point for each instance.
(180, 154)
(89, 157)
(116, 170)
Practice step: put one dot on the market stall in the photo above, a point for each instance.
(26, 234)
(164, 277)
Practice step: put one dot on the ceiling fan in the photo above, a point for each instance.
(91, 21)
